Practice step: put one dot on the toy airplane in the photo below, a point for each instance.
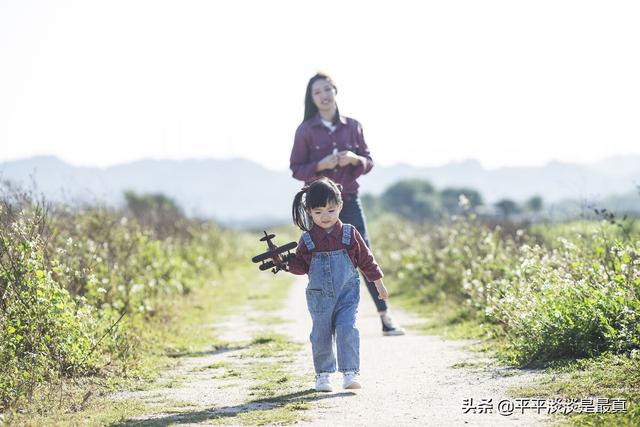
(277, 261)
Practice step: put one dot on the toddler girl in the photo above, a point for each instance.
(330, 253)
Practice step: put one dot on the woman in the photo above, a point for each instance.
(331, 145)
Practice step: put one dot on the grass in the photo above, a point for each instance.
(175, 332)
(271, 320)
(272, 375)
(275, 394)
(97, 413)
(271, 345)
(231, 373)
(607, 376)
(265, 301)
(470, 364)
(283, 415)
(215, 365)
(448, 320)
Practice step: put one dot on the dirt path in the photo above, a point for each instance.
(407, 380)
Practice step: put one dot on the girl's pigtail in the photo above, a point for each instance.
(298, 210)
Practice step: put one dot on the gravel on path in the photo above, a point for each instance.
(407, 380)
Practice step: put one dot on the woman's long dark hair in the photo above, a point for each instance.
(310, 108)
(319, 193)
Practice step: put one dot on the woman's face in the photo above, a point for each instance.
(323, 95)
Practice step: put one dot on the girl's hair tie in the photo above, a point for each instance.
(305, 188)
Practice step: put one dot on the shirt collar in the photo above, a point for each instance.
(317, 120)
(318, 233)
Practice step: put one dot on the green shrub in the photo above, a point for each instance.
(43, 334)
(68, 276)
(579, 302)
(550, 297)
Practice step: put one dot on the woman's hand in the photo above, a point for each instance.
(329, 162)
(347, 157)
(383, 294)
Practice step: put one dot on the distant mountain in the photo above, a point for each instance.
(231, 191)
(618, 165)
(239, 191)
(554, 181)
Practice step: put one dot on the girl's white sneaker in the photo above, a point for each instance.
(351, 380)
(323, 382)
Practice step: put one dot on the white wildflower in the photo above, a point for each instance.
(463, 202)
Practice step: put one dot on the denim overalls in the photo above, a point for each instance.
(333, 294)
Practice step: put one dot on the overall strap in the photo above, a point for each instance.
(346, 234)
(307, 241)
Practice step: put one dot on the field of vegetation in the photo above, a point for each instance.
(86, 292)
(565, 297)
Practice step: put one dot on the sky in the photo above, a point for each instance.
(509, 83)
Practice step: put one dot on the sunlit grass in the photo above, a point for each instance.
(184, 328)
(538, 297)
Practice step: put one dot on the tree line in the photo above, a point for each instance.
(418, 200)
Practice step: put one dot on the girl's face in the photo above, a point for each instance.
(326, 217)
(323, 95)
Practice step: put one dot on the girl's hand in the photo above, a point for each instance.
(383, 294)
(348, 158)
(329, 162)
